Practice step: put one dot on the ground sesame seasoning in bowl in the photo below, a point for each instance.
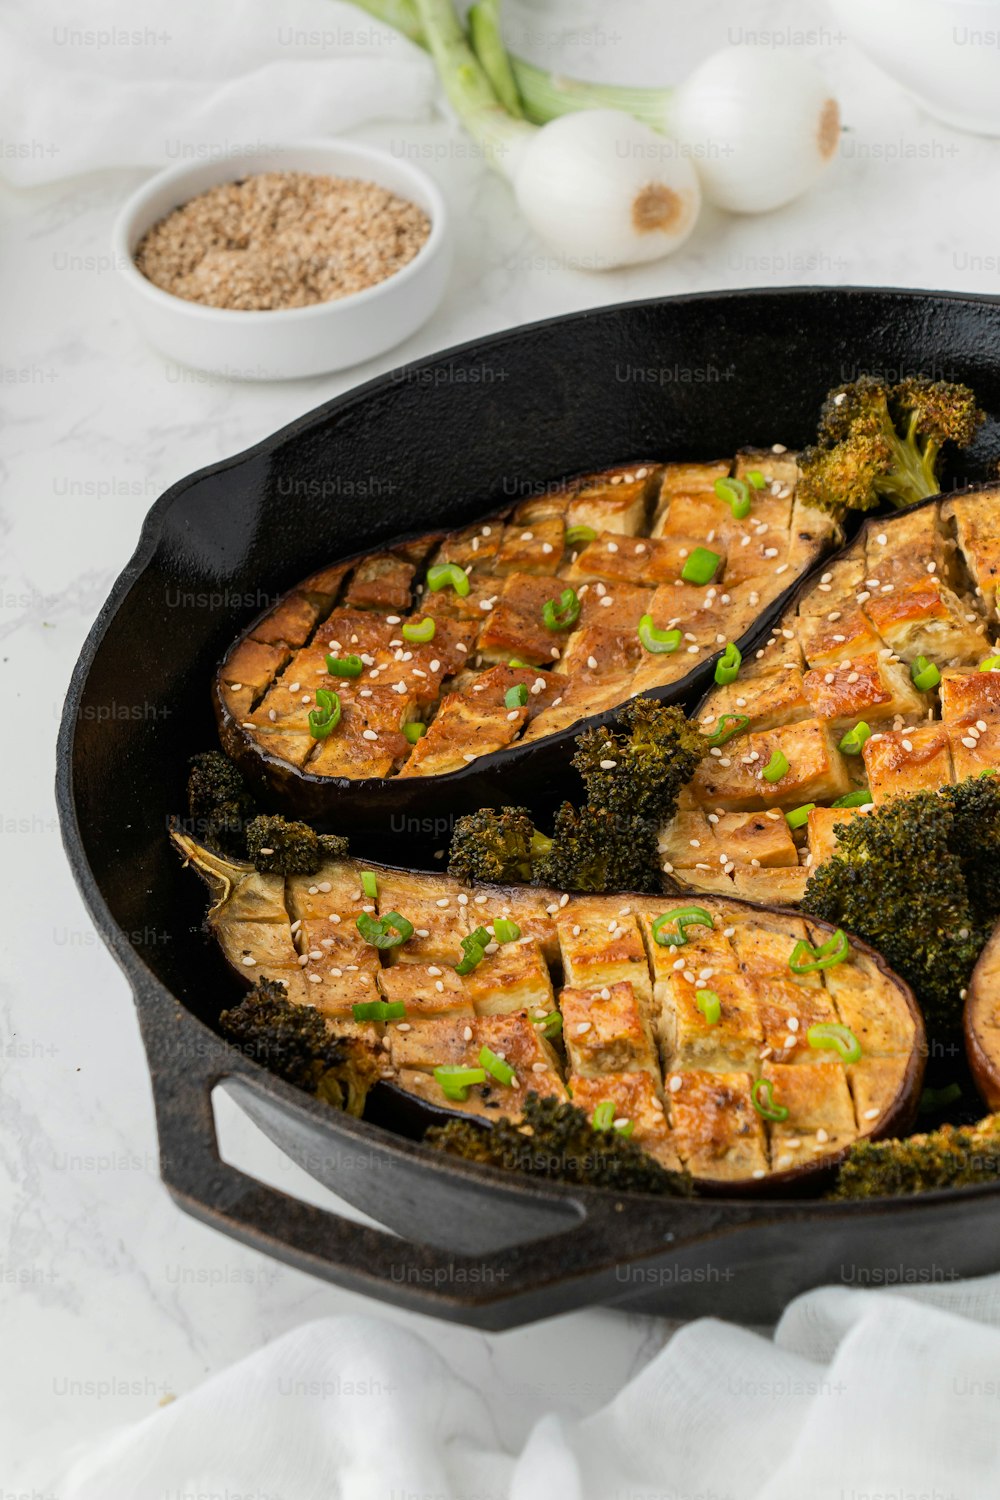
(282, 239)
(288, 262)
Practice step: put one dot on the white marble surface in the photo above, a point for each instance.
(111, 1299)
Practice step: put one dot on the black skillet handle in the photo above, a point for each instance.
(499, 1289)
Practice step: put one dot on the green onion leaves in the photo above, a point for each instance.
(853, 741)
(776, 767)
(805, 959)
(455, 1080)
(685, 917)
(727, 668)
(324, 719)
(561, 613)
(700, 566)
(505, 931)
(415, 731)
(496, 1067)
(709, 1004)
(577, 536)
(516, 696)
(378, 1010)
(384, 932)
(840, 1039)
(730, 725)
(736, 494)
(762, 1096)
(473, 951)
(344, 666)
(447, 575)
(799, 816)
(420, 630)
(660, 642)
(925, 674)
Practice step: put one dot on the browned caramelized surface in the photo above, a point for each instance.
(632, 1033)
(920, 584)
(645, 523)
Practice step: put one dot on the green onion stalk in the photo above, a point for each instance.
(760, 136)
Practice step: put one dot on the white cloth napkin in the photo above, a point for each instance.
(136, 83)
(859, 1396)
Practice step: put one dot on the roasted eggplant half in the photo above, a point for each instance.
(451, 654)
(982, 1022)
(744, 1045)
(882, 677)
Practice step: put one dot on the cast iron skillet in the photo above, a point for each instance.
(437, 444)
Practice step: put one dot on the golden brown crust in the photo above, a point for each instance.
(912, 585)
(515, 565)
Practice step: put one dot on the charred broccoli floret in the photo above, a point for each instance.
(909, 879)
(219, 804)
(637, 769)
(294, 1042)
(279, 847)
(496, 846)
(597, 850)
(632, 775)
(883, 442)
(557, 1141)
(952, 1156)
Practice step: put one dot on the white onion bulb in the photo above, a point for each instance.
(604, 190)
(761, 129)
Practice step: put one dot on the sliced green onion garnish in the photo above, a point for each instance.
(806, 959)
(854, 799)
(840, 1038)
(757, 479)
(324, 719)
(626, 1129)
(799, 816)
(855, 738)
(379, 1010)
(495, 1066)
(551, 1025)
(685, 917)
(604, 1115)
(730, 725)
(577, 534)
(991, 664)
(344, 666)
(762, 1095)
(456, 1080)
(516, 696)
(561, 613)
(369, 884)
(505, 931)
(516, 661)
(727, 668)
(414, 731)
(473, 951)
(420, 630)
(700, 566)
(736, 494)
(776, 767)
(709, 1004)
(447, 575)
(925, 674)
(384, 932)
(658, 641)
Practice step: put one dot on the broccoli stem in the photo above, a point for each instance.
(914, 474)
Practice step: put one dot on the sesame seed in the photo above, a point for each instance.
(315, 978)
(871, 1114)
(369, 734)
(581, 1028)
(675, 1084)
(612, 546)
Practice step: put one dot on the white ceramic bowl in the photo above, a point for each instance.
(298, 341)
(945, 53)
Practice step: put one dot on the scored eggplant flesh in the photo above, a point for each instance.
(920, 584)
(632, 1032)
(645, 522)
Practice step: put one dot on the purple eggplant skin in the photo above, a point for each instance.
(982, 1037)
